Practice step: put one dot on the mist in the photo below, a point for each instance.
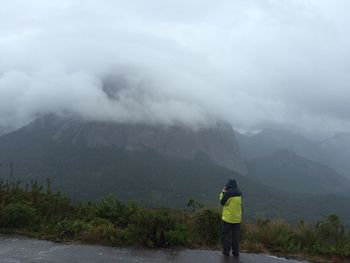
(254, 64)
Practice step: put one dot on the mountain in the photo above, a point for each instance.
(217, 144)
(4, 130)
(286, 171)
(87, 164)
(269, 141)
(336, 152)
(332, 152)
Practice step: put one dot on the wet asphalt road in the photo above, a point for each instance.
(25, 250)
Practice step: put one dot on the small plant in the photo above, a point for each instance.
(194, 205)
(71, 229)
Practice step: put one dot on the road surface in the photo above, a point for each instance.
(25, 250)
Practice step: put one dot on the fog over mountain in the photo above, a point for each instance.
(255, 64)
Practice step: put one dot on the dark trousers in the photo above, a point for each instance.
(231, 237)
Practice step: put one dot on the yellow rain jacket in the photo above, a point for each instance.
(231, 201)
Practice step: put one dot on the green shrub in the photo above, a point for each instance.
(274, 235)
(87, 211)
(149, 227)
(344, 250)
(116, 212)
(331, 229)
(306, 236)
(207, 227)
(18, 215)
(177, 237)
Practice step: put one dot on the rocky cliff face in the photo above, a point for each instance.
(217, 144)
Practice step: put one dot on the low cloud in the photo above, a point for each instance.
(254, 64)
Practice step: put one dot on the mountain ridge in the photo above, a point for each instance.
(286, 171)
(215, 143)
(332, 152)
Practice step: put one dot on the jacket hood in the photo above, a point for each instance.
(232, 188)
(231, 184)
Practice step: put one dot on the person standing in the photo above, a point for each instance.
(231, 200)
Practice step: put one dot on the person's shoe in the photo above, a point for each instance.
(235, 254)
(226, 254)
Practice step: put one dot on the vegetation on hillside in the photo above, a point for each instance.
(151, 179)
(41, 213)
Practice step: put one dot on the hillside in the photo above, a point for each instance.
(269, 141)
(336, 152)
(286, 171)
(332, 152)
(88, 172)
(217, 144)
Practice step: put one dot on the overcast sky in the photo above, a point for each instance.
(254, 63)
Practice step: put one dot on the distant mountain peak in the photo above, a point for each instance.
(217, 143)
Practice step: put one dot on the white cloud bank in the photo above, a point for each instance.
(253, 63)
